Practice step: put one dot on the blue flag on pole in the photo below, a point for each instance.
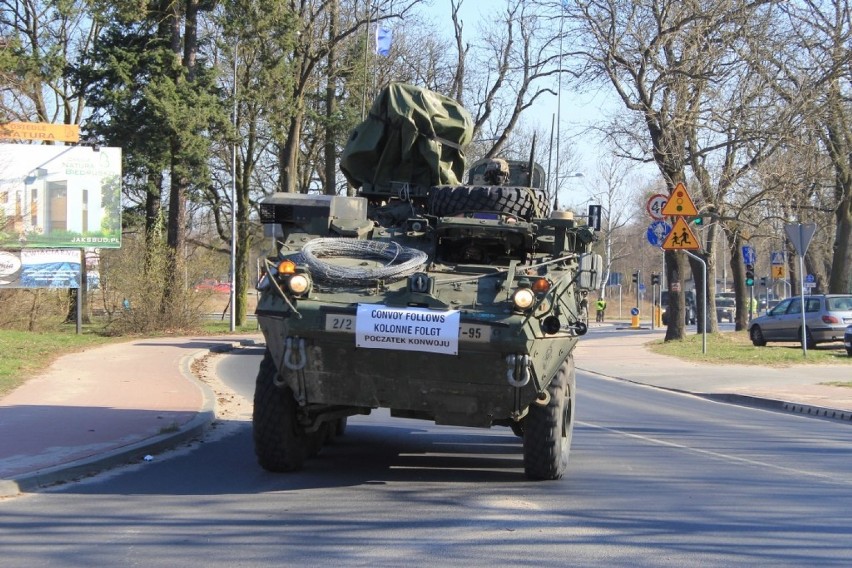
(384, 37)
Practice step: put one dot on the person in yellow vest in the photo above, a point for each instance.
(600, 307)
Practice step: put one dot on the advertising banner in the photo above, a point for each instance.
(59, 196)
(46, 268)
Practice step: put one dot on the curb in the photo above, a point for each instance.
(751, 401)
(134, 452)
(806, 410)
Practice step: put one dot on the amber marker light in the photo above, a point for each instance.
(541, 286)
(287, 267)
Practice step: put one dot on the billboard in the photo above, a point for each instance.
(46, 268)
(59, 196)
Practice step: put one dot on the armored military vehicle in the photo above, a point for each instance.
(458, 304)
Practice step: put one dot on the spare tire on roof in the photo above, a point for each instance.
(524, 202)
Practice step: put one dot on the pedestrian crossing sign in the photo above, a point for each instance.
(778, 271)
(681, 237)
(680, 203)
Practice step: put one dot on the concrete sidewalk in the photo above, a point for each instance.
(115, 404)
(102, 407)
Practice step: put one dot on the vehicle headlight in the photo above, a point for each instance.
(523, 298)
(299, 284)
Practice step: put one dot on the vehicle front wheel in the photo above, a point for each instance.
(547, 429)
(756, 336)
(280, 442)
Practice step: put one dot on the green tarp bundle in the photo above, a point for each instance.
(412, 135)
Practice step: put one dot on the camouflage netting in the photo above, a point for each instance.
(412, 135)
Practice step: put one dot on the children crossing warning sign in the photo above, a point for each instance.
(680, 203)
(681, 237)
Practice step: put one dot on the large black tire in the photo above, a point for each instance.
(522, 202)
(280, 442)
(548, 429)
(756, 336)
(340, 426)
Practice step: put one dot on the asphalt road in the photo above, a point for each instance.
(656, 479)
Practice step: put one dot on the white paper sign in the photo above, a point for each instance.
(407, 329)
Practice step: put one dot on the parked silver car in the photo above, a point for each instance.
(847, 340)
(826, 318)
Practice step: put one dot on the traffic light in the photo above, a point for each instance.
(698, 221)
(655, 278)
(636, 277)
(749, 275)
(763, 281)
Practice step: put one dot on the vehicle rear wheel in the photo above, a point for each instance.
(280, 442)
(548, 429)
(756, 336)
(810, 342)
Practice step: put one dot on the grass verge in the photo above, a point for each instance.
(25, 353)
(735, 348)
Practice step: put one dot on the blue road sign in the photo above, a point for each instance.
(748, 254)
(809, 278)
(776, 258)
(634, 311)
(657, 233)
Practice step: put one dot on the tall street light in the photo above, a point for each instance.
(556, 189)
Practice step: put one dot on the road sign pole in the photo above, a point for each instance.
(800, 234)
(802, 296)
(653, 301)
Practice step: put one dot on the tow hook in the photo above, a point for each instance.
(518, 373)
(579, 328)
(288, 354)
(543, 398)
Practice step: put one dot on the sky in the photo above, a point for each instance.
(578, 110)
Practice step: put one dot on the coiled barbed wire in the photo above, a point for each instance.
(401, 261)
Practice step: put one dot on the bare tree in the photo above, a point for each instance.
(617, 193)
(665, 59)
(821, 74)
(311, 50)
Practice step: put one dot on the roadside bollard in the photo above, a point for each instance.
(634, 318)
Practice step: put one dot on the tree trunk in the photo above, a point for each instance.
(289, 154)
(741, 291)
(176, 230)
(244, 244)
(676, 268)
(840, 280)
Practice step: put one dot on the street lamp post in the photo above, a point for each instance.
(556, 189)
